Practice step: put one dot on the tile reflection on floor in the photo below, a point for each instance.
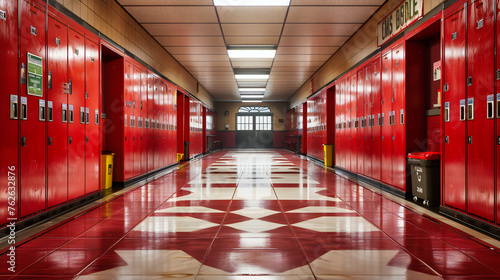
(253, 214)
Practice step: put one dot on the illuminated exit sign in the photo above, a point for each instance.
(403, 16)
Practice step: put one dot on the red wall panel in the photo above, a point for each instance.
(387, 142)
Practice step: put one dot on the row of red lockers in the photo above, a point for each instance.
(380, 115)
(51, 154)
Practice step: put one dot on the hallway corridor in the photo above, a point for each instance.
(253, 214)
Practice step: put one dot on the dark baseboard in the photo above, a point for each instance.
(470, 221)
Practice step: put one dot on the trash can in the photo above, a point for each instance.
(425, 177)
(179, 157)
(186, 150)
(328, 148)
(107, 159)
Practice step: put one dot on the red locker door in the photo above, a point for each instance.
(76, 122)
(9, 118)
(343, 144)
(32, 109)
(386, 118)
(480, 121)
(338, 143)
(161, 131)
(498, 119)
(347, 124)
(454, 149)
(398, 119)
(92, 130)
(355, 124)
(144, 116)
(376, 112)
(128, 147)
(136, 90)
(368, 122)
(57, 127)
(151, 123)
(156, 124)
(360, 114)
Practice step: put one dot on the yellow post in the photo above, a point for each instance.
(179, 157)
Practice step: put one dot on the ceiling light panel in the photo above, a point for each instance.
(251, 2)
(252, 89)
(249, 53)
(249, 96)
(253, 101)
(251, 77)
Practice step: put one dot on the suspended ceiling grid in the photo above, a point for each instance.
(197, 33)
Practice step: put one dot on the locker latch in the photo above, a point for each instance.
(446, 87)
(70, 87)
(49, 80)
(469, 81)
(50, 141)
(33, 30)
(498, 74)
(86, 139)
(498, 140)
(469, 139)
(13, 107)
(86, 95)
(392, 137)
(446, 139)
(23, 141)
(69, 140)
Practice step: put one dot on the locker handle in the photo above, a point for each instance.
(87, 117)
(469, 81)
(70, 85)
(402, 117)
(41, 112)
(446, 139)
(498, 140)
(13, 107)
(69, 140)
(469, 139)
(70, 116)
(50, 141)
(86, 139)
(23, 141)
(498, 74)
(24, 111)
(49, 80)
(489, 110)
(49, 114)
(498, 108)
(462, 112)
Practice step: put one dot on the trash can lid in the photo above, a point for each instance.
(425, 155)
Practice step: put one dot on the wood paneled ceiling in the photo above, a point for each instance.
(197, 33)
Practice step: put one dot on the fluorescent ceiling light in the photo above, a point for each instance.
(249, 53)
(252, 96)
(252, 2)
(252, 89)
(254, 101)
(251, 76)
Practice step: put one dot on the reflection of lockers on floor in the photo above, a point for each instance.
(469, 100)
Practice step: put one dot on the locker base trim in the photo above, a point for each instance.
(355, 177)
(51, 213)
(470, 221)
(144, 178)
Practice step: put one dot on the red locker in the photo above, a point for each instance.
(151, 123)
(355, 123)
(368, 104)
(128, 146)
(161, 118)
(497, 110)
(57, 124)
(180, 123)
(32, 109)
(92, 129)
(347, 122)
(386, 118)
(204, 130)
(454, 148)
(9, 141)
(480, 119)
(136, 103)
(398, 118)
(156, 124)
(144, 122)
(76, 108)
(360, 115)
(376, 122)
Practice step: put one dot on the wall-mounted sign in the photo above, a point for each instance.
(404, 15)
(35, 75)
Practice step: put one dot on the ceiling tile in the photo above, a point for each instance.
(167, 2)
(192, 41)
(252, 29)
(173, 14)
(287, 69)
(298, 63)
(311, 29)
(318, 41)
(186, 29)
(238, 40)
(305, 57)
(209, 68)
(205, 63)
(306, 50)
(197, 50)
(253, 14)
(337, 2)
(194, 57)
(330, 14)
